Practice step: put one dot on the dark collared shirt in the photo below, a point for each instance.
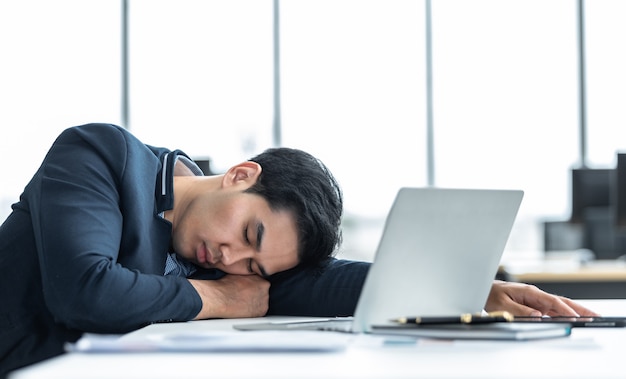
(175, 264)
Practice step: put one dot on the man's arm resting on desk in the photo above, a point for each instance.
(334, 291)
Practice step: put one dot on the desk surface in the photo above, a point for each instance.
(587, 353)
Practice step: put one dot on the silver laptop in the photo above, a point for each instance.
(438, 255)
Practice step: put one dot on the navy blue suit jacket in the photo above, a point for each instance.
(84, 250)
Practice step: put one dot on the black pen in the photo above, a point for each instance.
(466, 318)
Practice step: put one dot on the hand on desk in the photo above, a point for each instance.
(527, 300)
(233, 296)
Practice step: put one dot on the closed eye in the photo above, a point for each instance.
(245, 235)
(260, 232)
(250, 270)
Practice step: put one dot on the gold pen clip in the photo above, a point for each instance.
(468, 318)
(502, 314)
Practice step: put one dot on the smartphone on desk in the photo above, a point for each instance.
(580, 321)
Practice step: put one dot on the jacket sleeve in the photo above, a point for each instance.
(78, 226)
(328, 291)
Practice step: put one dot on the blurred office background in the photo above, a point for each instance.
(493, 101)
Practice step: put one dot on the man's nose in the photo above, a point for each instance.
(232, 254)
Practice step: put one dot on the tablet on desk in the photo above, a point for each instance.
(581, 321)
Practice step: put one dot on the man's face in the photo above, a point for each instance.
(237, 233)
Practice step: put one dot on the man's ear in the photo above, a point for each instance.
(245, 173)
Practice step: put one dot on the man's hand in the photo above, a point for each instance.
(527, 300)
(233, 296)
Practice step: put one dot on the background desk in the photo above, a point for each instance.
(588, 353)
(592, 280)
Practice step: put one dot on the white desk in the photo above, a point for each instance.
(587, 353)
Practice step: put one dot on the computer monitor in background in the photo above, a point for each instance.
(205, 165)
(619, 194)
(591, 188)
(593, 208)
(598, 218)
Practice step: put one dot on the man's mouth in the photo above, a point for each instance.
(203, 255)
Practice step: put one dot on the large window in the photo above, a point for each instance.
(353, 91)
(60, 67)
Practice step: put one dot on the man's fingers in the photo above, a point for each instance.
(528, 300)
(579, 309)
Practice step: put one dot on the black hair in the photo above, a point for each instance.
(296, 181)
